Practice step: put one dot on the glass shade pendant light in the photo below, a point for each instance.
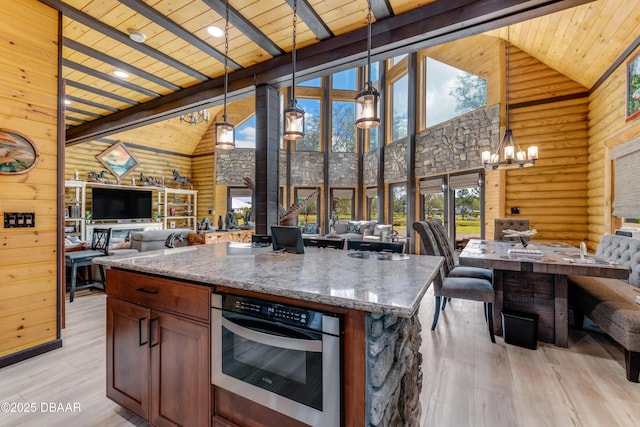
(225, 131)
(368, 99)
(293, 115)
(509, 155)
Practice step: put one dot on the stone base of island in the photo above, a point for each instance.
(159, 330)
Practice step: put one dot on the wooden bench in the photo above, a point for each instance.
(611, 303)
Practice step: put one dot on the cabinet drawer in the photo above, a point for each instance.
(163, 294)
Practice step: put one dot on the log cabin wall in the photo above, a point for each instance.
(29, 105)
(152, 163)
(608, 129)
(551, 111)
(203, 167)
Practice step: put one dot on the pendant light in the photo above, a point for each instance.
(509, 155)
(225, 134)
(293, 115)
(368, 99)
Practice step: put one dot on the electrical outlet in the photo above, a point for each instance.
(515, 211)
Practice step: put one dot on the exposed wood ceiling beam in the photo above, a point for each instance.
(83, 112)
(158, 18)
(108, 31)
(381, 9)
(312, 19)
(247, 28)
(427, 26)
(116, 63)
(100, 92)
(91, 103)
(103, 76)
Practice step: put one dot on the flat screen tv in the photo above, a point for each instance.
(287, 239)
(120, 203)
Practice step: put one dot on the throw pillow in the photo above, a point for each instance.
(353, 227)
(340, 227)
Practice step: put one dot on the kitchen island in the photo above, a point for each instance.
(159, 295)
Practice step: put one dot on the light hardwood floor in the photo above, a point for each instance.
(468, 381)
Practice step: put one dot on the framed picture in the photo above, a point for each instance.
(633, 87)
(18, 154)
(118, 160)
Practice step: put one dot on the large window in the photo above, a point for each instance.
(373, 213)
(311, 83)
(451, 92)
(246, 133)
(399, 108)
(343, 128)
(308, 215)
(456, 201)
(344, 80)
(398, 207)
(312, 125)
(239, 202)
(467, 208)
(343, 202)
(432, 199)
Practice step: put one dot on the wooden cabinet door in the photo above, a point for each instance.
(180, 371)
(128, 358)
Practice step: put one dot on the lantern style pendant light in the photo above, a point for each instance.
(368, 99)
(509, 155)
(293, 115)
(225, 132)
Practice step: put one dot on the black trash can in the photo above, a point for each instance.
(519, 328)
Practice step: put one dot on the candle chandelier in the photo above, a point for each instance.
(367, 100)
(225, 134)
(293, 115)
(196, 117)
(509, 155)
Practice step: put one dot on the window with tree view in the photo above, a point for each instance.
(311, 140)
(343, 135)
(400, 108)
(451, 92)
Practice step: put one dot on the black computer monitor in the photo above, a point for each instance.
(287, 239)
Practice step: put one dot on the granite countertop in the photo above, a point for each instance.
(326, 276)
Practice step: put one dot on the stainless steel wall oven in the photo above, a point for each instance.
(284, 357)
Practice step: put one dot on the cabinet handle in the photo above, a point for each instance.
(151, 344)
(140, 332)
(147, 291)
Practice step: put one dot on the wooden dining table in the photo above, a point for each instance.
(536, 283)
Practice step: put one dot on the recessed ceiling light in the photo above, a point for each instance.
(137, 36)
(215, 31)
(121, 74)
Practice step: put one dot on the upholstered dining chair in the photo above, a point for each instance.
(99, 247)
(449, 253)
(517, 224)
(446, 286)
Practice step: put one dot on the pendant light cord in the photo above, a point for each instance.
(226, 54)
(369, 82)
(293, 53)
(507, 77)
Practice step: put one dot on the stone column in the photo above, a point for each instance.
(394, 379)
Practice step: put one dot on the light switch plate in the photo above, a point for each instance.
(19, 219)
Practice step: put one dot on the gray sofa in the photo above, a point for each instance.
(160, 239)
(611, 303)
(363, 230)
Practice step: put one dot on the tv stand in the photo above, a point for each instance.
(120, 229)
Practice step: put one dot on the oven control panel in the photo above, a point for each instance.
(287, 314)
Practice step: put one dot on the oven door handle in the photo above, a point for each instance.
(272, 340)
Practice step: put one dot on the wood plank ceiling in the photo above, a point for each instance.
(180, 67)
